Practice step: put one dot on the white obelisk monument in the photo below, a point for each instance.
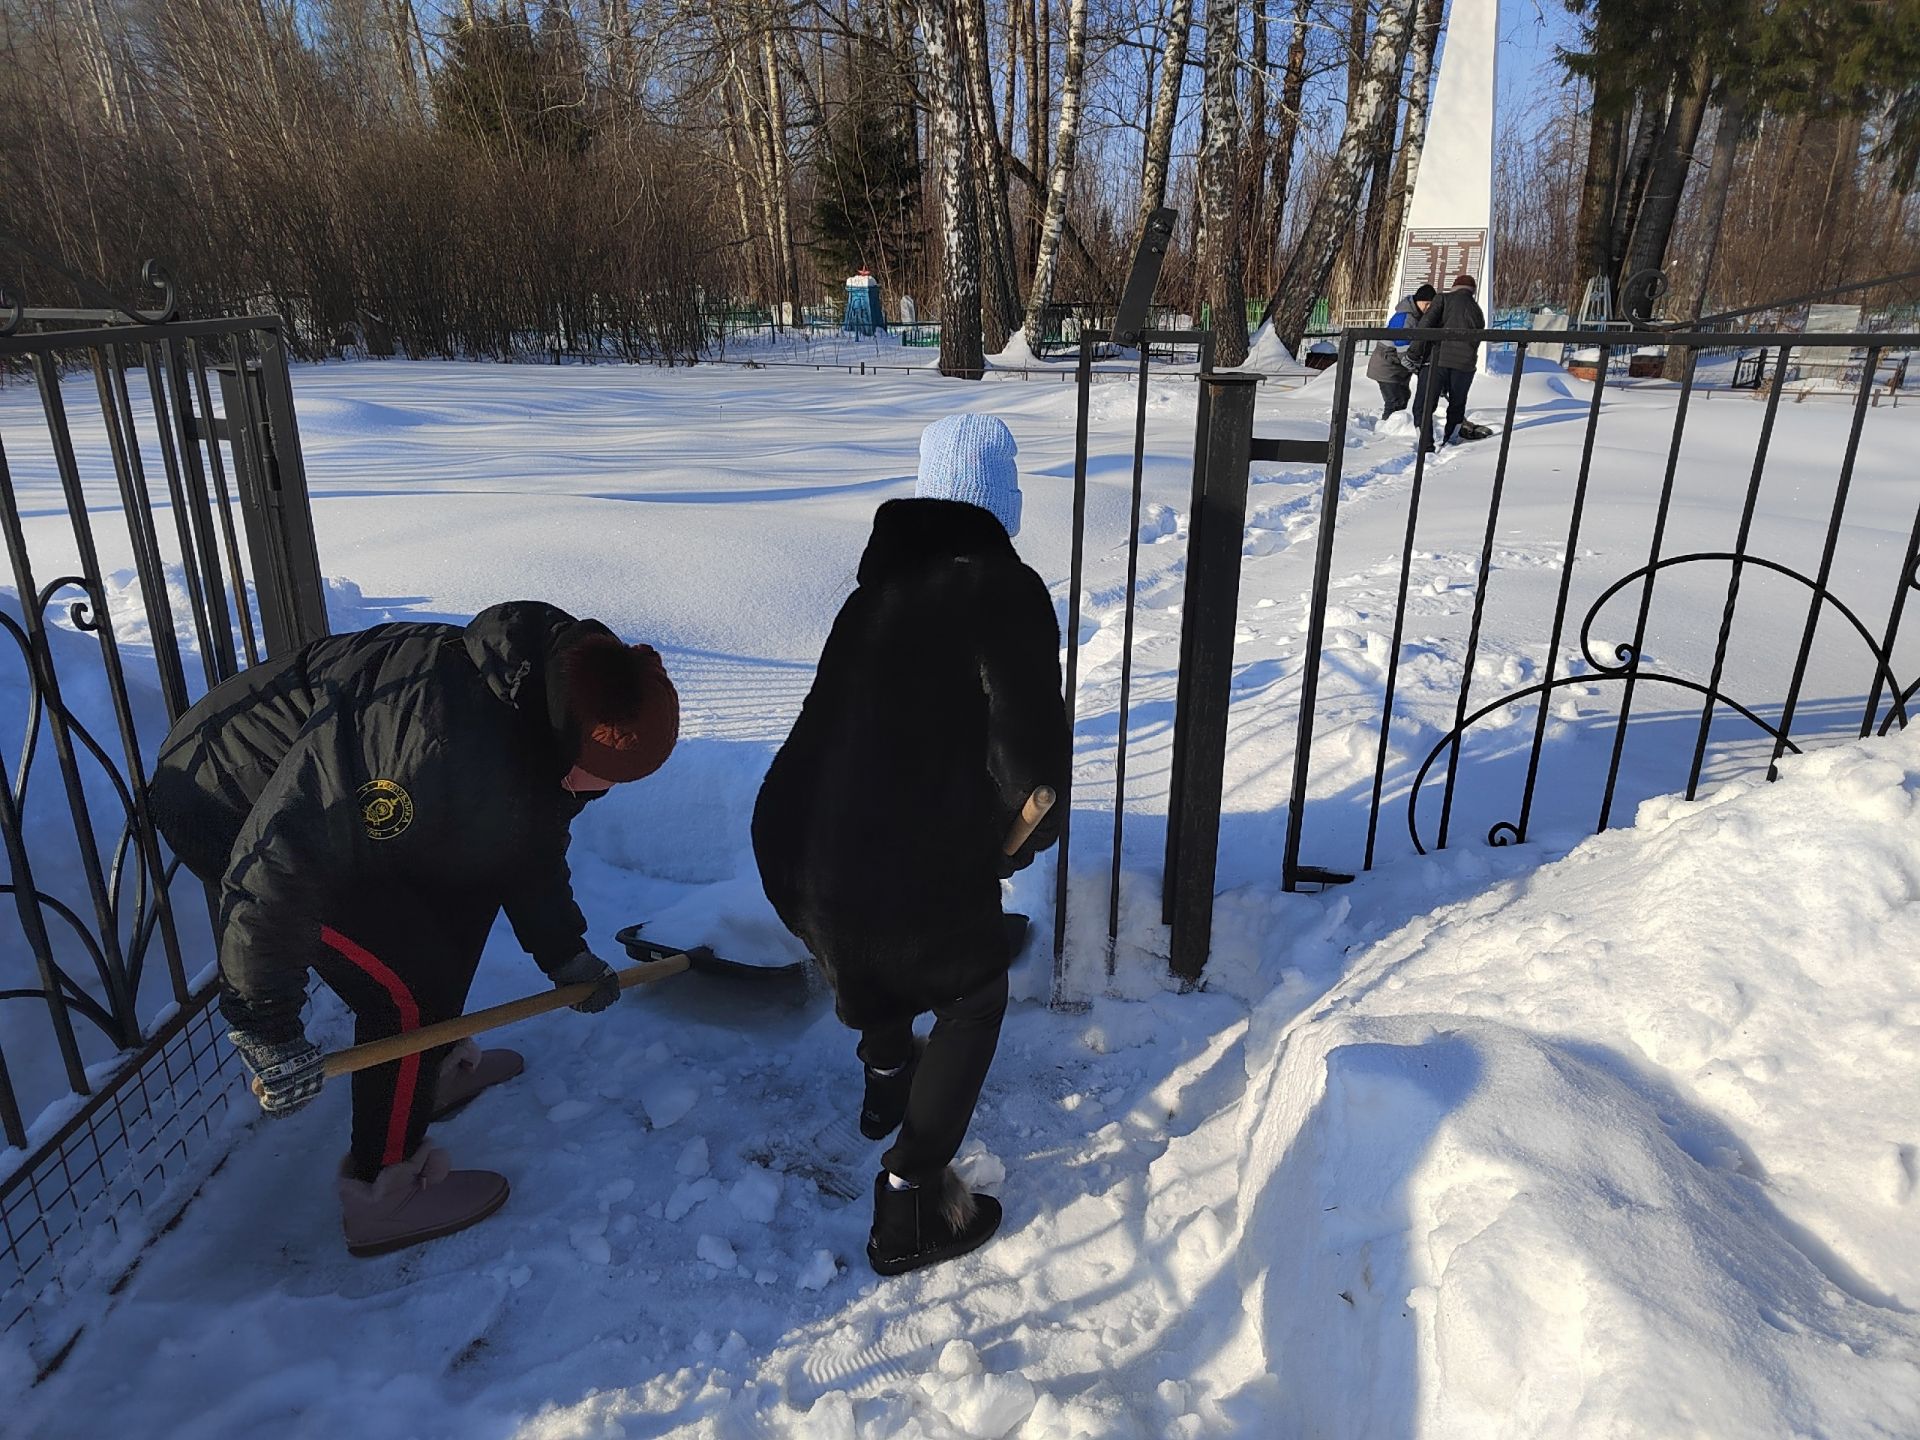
(1449, 224)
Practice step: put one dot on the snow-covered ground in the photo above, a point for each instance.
(1604, 1138)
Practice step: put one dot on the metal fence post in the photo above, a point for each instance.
(1216, 534)
(273, 499)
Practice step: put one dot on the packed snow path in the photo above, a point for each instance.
(1622, 1146)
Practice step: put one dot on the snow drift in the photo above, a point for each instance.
(1616, 1149)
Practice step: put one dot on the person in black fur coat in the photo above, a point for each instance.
(936, 711)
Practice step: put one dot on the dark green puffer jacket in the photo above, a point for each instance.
(405, 765)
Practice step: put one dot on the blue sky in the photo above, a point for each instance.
(1529, 30)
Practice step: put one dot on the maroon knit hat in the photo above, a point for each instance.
(1465, 282)
(622, 705)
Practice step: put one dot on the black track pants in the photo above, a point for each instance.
(1452, 386)
(966, 1032)
(395, 981)
(399, 960)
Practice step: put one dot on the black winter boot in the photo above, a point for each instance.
(927, 1224)
(885, 1105)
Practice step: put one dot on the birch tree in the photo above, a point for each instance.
(961, 352)
(1166, 109)
(1293, 87)
(1000, 282)
(1221, 257)
(1331, 219)
(1065, 150)
(1413, 144)
(1254, 159)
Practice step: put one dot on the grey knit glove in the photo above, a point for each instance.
(585, 967)
(287, 1074)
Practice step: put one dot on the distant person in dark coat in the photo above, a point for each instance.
(367, 805)
(936, 711)
(1455, 360)
(1388, 366)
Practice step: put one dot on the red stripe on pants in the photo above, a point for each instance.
(409, 1013)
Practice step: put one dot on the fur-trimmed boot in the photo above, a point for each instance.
(927, 1223)
(885, 1104)
(467, 1070)
(421, 1198)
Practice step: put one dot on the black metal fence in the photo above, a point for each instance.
(1066, 324)
(135, 587)
(1688, 595)
(104, 1015)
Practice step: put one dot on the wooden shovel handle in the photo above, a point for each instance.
(1031, 814)
(412, 1042)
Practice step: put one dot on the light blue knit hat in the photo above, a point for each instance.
(970, 458)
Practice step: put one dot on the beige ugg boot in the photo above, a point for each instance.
(421, 1198)
(467, 1071)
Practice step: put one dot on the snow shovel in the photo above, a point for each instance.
(702, 961)
(657, 963)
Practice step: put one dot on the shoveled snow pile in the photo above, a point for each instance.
(1268, 354)
(1016, 354)
(1628, 1146)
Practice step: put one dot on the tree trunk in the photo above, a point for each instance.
(1356, 51)
(1065, 150)
(1593, 231)
(1001, 293)
(1340, 288)
(1219, 187)
(1332, 216)
(1043, 17)
(102, 67)
(1036, 114)
(1037, 81)
(1713, 214)
(1726, 151)
(785, 255)
(1666, 185)
(1413, 144)
(1166, 109)
(1370, 261)
(1253, 163)
(616, 46)
(401, 28)
(758, 288)
(1292, 89)
(753, 111)
(1010, 111)
(1632, 190)
(1840, 193)
(961, 354)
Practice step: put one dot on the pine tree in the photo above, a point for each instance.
(515, 85)
(866, 209)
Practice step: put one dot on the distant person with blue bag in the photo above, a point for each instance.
(1388, 366)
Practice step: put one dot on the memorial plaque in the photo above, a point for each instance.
(1436, 256)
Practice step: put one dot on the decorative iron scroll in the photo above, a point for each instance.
(1626, 665)
(153, 275)
(1656, 285)
(120, 911)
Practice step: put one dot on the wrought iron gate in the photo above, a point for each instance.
(1847, 369)
(105, 1029)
